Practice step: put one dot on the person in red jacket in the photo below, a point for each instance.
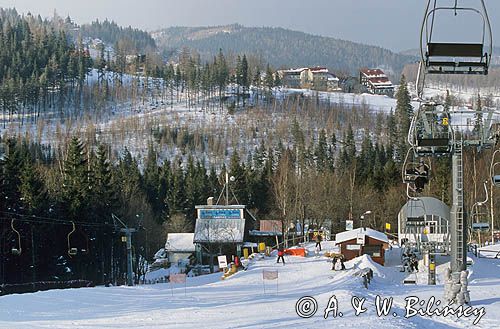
(281, 253)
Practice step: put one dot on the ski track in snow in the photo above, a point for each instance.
(240, 302)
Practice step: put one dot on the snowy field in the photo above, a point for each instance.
(240, 301)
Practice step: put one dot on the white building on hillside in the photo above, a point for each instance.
(179, 246)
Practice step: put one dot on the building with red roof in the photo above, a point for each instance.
(376, 82)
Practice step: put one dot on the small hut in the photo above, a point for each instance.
(179, 246)
(363, 241)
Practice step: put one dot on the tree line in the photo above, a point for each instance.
(129, 39)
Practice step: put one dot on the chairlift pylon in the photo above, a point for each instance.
(444, 57)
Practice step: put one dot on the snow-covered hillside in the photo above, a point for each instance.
(240, 301)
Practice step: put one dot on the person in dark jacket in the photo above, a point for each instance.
(281, 253)
(318, 241)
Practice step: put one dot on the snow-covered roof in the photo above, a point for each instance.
(318, 70)
(216, 230)
(353, 234)
(373, 73)
(291, 71)
(180, 242)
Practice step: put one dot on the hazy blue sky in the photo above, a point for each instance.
(393, 24)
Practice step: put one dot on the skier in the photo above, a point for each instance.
(318, 241)
(413, 263)
(281, 253)
(334, 261)
(422, 179)
(245, 262)
(338, 264)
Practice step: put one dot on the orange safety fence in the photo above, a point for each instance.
(296, 252)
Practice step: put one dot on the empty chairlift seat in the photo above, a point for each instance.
(441, 53)
(456, 58)
(434, 145)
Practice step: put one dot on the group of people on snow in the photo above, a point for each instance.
(410, 261)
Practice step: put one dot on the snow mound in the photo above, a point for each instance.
(366, 261)
(493, 247)
(162, 273)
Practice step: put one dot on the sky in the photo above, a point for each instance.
(393, 24)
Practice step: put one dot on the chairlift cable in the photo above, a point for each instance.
(47, 220)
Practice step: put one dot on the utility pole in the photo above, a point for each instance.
(128, 236)
(128, 239)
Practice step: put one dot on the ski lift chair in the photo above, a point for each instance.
(429, 135)
(72, 251)
(435, 144)
(479, 213)
(452, 57)
(78, 247)
(495, 168)
(415, 173)
(16, 250)
(415, 221)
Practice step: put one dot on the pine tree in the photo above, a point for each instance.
(321, 152)
(164, 185)
(237, 185)
(76, 181)
(103, 192)
(213, 184)
(404, 113)
(176, 196)
(350, 143)
(11, 165)
(32, 189)
(151, 179)
(245, 79)
(478, 116)
(269, 80)
(221, 75)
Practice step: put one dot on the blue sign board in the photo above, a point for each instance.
(480, 226)
(220, 214)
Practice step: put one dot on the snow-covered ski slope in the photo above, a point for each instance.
(240, 302)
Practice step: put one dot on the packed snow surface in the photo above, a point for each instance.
(240, 301)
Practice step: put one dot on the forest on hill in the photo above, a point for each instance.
(281, 47)
(125, 38)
